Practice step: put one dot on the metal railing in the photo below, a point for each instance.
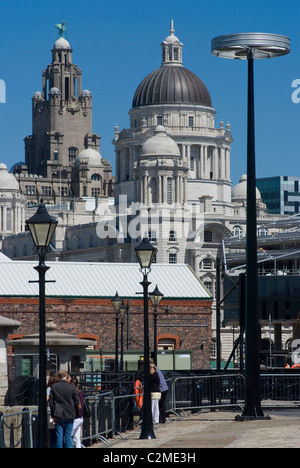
(113, 414)
(208, 391)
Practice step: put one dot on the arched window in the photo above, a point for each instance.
(237, 232)
(96, 177)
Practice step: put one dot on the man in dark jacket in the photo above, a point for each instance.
(64, 403)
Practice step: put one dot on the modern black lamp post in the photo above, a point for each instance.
(145, 252)
(155, 298)
(42, 226)
(117, 303)
(251, 46)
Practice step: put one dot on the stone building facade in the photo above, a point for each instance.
(62, 158)
(12, 205)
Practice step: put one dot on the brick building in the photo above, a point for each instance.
(80, 304)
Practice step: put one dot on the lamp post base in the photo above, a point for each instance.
(147, 434)
(252, 418)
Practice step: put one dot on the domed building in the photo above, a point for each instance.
(176, 98)
(12, 205)
(173, 155)
(239, 198)
(173, 174)
(91, 175)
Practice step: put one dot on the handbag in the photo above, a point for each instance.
(156, 396)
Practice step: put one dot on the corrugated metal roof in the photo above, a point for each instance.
(100, 280)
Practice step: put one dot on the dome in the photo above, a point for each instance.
(160, 144)
(239, 192)
(86, 93)
(171, 85)
(37, 96)
(7, 181)
(62, 43)
(93, 157)
(54, 92)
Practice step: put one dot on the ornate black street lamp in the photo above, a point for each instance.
(123, 312)
(251, 46)
(42, 227)
(117, 303)
(145, 252)
(155, 298)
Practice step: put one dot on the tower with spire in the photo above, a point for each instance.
(61, 116)
(62, 158)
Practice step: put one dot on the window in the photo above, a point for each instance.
(159, 120)
(175, 53)
(96, 177)
(208, 237)
(152, 236)
(169, 191)
(30, 189)
(8, 219)
(63, 191)
(191, 121)
(192, 163)
(213, 349)
(172, 258)
(154, 190)
(262, 232)
(96, 191)
(237, 232)
(207, 264)
(172, 236)
(73, 152)
(46, 190)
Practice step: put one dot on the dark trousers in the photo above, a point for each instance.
(162, 407)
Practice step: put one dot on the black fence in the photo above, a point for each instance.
(114, 411)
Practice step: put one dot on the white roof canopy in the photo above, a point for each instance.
(100, 280)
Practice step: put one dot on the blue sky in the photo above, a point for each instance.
(116, 44)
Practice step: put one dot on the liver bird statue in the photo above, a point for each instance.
(61, 28)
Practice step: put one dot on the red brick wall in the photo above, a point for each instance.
(95, 318)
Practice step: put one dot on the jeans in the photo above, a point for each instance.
(64, 429)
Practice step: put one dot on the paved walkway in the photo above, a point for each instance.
(217, 430)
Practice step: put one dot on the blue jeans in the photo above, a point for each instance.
(64, 433)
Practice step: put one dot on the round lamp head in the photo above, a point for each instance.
(262, 45)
